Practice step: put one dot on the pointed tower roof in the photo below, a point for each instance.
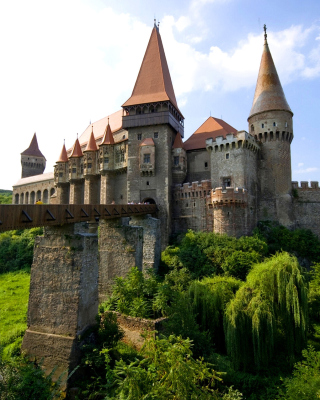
(33, 149)
(63, 155)
(154, 81)
(147, 142)
(76, 151)
(177, 144)
(269, 94)
(108, 136)
(91, 145)
(211, 128)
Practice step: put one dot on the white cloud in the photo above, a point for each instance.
(182, 23)
(306, 170)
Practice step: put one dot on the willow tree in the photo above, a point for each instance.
(268, 314)
(209, 298)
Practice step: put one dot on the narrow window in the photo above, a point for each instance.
(262, 125)
(139, 136)
(286, 125)
(146, 158)
(60, 174)
(252, 128)
(106, 160)
(227, 156)
(148, 183)
(124, 136)
(176, 160)
(89, 165)
(74, 170)
(206, 164)
(155, 135)
(274, 124)
(226, 182)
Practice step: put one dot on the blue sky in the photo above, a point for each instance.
(66, 63)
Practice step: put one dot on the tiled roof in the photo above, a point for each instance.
(33, 149)
(147, 142)
(33, 179)
(108, 136)
(269, 94)
(177, 144)
(63, 155)
(76, 151)
(91, 145)
(153, 82)
(211, 128)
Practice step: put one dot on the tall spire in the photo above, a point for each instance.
(76, 151)
(269, 94)
(154, 82)
(108, 136)
(33, 149)
(63, 155)
(91, 145)
(177, 144)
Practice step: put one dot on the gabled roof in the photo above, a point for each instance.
(177, 144)
(269, 94)
(108, 136)
(211, 128)
(76, 151)
(147, 142)
(33, 149)
(153, 82)
(91, 145)
(47, 176)
(63, 155)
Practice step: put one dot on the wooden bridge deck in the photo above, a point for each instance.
(29, 216)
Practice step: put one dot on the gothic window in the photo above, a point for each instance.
(146, 158)
(106, 160)
(176, 160)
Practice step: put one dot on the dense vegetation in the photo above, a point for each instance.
(244, 307)
(5, 196)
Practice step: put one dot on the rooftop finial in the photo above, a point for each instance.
(64, 142)
(158, 24)
(108, 120)
(77, 135)
(155, 22)
(265, 31)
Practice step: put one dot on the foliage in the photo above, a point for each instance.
(314, 294)
(205, 254)
(167, 371)
(16, 249)
(300, 242)
(209, 299)
(5, 196)
(14, 295)
(20, 380)
(268, 312)
(305, 382)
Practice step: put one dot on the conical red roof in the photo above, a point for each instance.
(76, 151)
(63, 155)
(147, 142)
(91, 145)
(33, 149)
(177, 144)
(108, 136)
(154, 81)
(269, 94)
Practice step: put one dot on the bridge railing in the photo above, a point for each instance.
(29, 216)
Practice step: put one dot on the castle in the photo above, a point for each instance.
(220, 179)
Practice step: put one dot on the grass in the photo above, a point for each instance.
(14, 296)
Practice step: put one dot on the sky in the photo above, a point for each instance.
(66, 63)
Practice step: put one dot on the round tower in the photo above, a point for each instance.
(270, 122)
(33, 162)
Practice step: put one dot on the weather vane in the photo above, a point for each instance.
(265, 31)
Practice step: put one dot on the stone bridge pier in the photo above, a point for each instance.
(71, 274)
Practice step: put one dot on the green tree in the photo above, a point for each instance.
(269, 312)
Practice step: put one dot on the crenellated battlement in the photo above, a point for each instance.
(241, 139)
(192, 190)
(228, 196)
(304, 185)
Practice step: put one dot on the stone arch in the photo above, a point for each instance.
(27, 198)
(22, 198)
(149, 200)
(16, 199)
(45, 196)
(32, 197)
(38, 195)
(52, 191)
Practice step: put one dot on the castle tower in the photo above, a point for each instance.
(33, 162)
(76, 174)
(61, 177)
(106, 166)
(270, 122)
(152, 113)
(90, 172)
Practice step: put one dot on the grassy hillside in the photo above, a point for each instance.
(5, 196)
(14, 296)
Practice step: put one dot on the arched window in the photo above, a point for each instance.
(45, 196)
(52, 191)
(16, 199)
(38, 195)
(27, 198)
(32, 197)
(22, 198)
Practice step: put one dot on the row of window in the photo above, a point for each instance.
(263, 125)
(155, 135)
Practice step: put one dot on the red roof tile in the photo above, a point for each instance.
(76, 151)
(63, 155)
(153, 82)
(91, 145)
(147, 142)
(108, 136)
(211, 128)
(33, 149)
(269, 94)
(177, 144)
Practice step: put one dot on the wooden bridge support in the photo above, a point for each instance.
(63, 298)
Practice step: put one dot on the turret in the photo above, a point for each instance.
(106, 166)
(179, 160)
(270, 122)
(76, 174)
(33, 162)
(61, 177)
(90, 171)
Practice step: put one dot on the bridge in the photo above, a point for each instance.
(73, 267)
(29, 216)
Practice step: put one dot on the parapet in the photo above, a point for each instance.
(193, 189)
(229, 196)
(241, 139)
(305, 185)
